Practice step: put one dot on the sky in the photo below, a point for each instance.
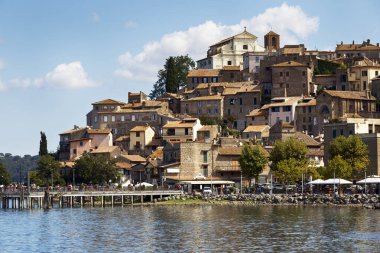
(59, 57)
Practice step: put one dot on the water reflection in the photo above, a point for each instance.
(191, 229)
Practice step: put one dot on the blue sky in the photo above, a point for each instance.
(58, 57)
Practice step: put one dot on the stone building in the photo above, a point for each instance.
(376, 87)
(282, 109)
(367, 49)
(272, 41)
(122, 117)
(239, 103)
(342, 104)
(75, 142)
(306, 116)
(207, 106)
(291, 79)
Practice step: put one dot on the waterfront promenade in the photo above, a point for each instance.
(20, 199)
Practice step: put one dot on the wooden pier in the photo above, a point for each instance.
(46, 200)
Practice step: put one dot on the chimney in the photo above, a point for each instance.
(341, 42)
(353, 42)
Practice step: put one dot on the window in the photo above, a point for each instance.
(214, 80)
(194, 80)
(275, 109)
(81, 143)
(205, 79)
(257, 59)
(303, 73)
(113, 118)
(205, 170)
(280, 73)
(205, 157)
(228, 111)
(209, 111)
(376, 73)
(286, 108)
(364, 85)
(245, 47)
(309, 109)
(334, 133)
(232, 101)
(341, 131)
(240, 101)
(137, 144)
(137, 134)
(105, 118)
(96, 119)
(133, 118)
(364, 73)
(216, 110)
(199, 111)
(229, 63)
(287, 119)
(287, 73)
(199, 103)
(254, 101)
(232, 75)
(186, 131)
(122, 118)
(105, 107)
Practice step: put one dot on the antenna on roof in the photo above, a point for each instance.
(245, 28)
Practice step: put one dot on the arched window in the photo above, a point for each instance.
(324, 110)
(274, 41)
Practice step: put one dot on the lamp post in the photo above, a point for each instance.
(73, 178)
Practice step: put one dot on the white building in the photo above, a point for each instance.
(282, 109)
(229, 52)
(185, 130)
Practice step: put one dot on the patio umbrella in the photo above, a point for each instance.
(370, 180)
(317, 181)
(336, 181)
(144, 184)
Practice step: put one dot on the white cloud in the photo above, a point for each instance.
(27, 82)
(95, 17)
(2, 86)
(291, 22)
(71, 75)
(130, 24)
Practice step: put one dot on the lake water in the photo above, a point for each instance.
(191, 229)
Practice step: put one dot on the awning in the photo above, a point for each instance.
(172, 170)
(207, 182)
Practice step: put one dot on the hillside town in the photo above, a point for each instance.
(240, 92)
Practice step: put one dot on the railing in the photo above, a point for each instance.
(14, 190)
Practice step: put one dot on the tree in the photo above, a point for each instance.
(339, 167)
(43, 145)
(290, 148)
(48, 170)
(5, 177)
(352, 150)
(252, 161)
(173, 76)
(289, 170)
(98, 170)
(289, 159)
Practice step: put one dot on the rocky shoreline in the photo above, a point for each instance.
(370, 201)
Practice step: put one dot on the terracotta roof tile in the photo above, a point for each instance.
(104, 149)
(139, 128)
(203, 72)
(108, 102)
(256, 128)
(213, 97)
(134, 158)
(289, 64)
(354, 95)
(98, 131)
